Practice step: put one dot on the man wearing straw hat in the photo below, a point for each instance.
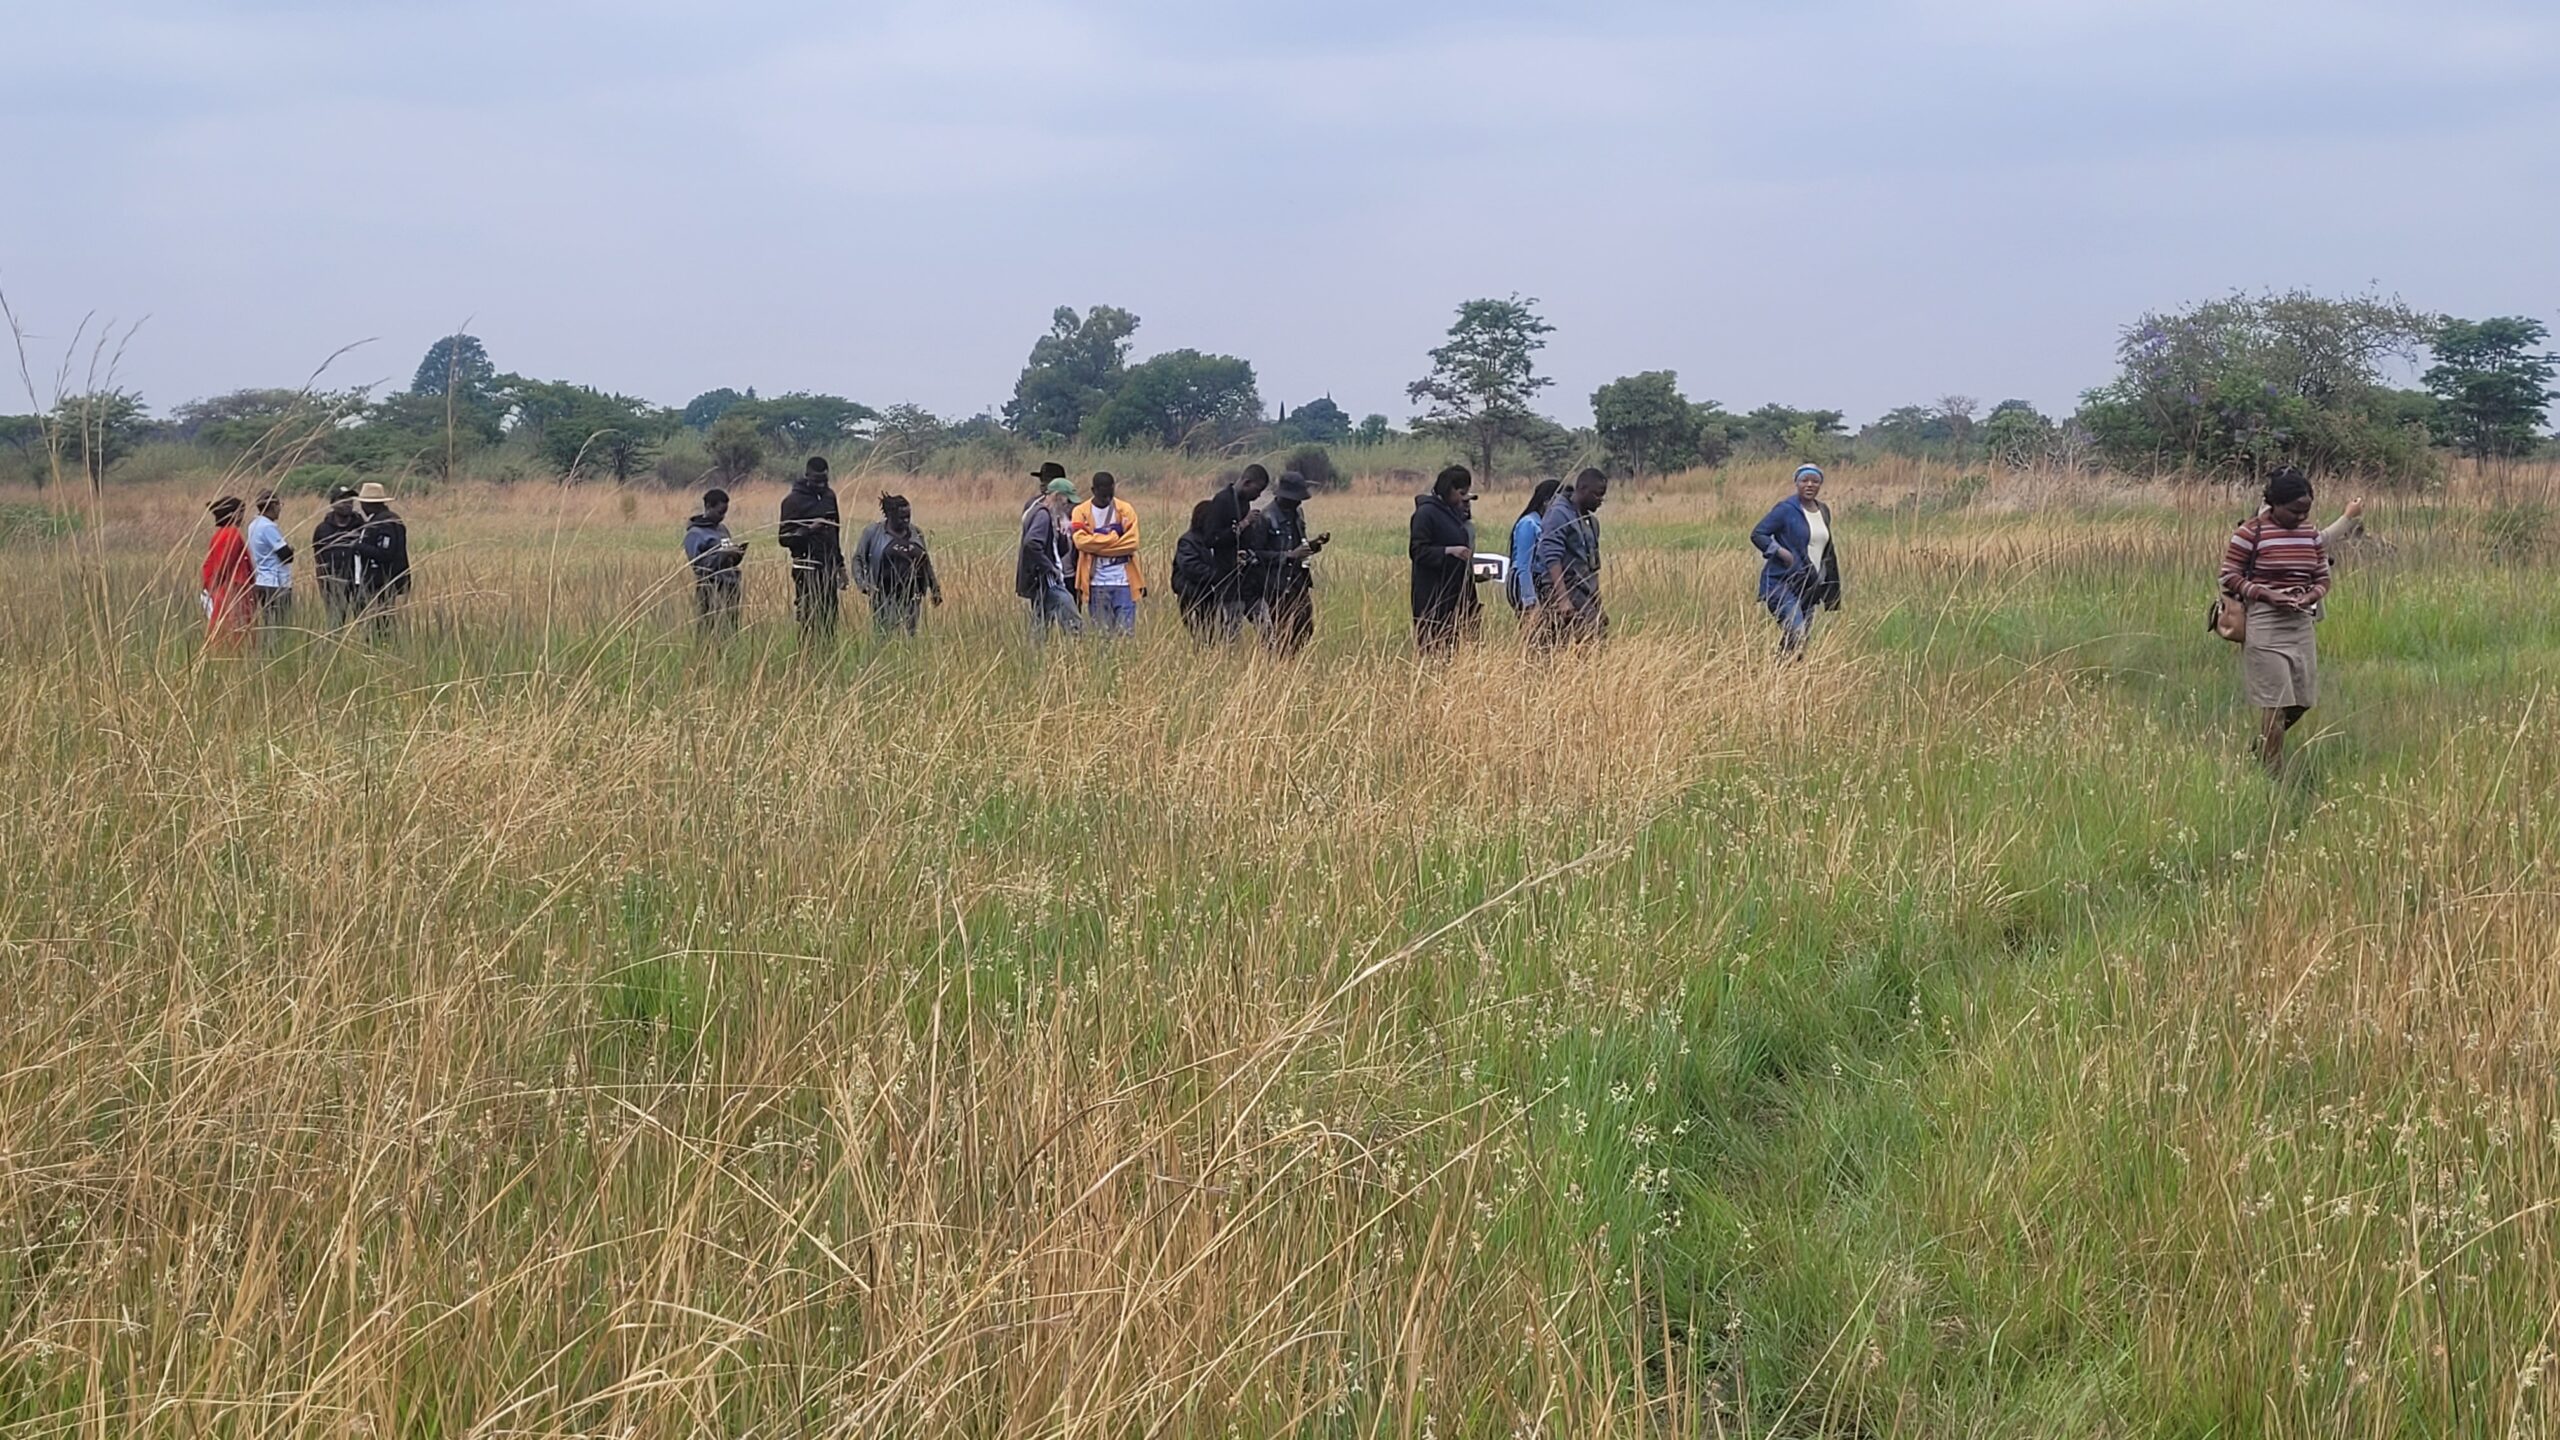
(382, 550)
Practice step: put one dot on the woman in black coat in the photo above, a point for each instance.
(1443, 545)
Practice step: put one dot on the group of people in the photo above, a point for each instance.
(359, 549)
(890, 562)
(1244, 566)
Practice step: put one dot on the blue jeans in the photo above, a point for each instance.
(1054, 608)
(1113, 608)
(1795, 618)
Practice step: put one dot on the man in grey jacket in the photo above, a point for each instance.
(1046, 565)
(1567, 561)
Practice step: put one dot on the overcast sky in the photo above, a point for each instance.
(1847, 203)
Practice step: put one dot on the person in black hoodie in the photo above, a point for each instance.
(1234, 595)
(334, 555)
(1443, 536)
(812, 533)
(1195, 578)
(382, 549)
(719, 585)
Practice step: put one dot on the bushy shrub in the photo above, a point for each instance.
(1316, 464)
(23, 521)
(2516, 532)
(684, 463)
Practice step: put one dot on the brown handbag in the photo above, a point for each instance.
(2228, 618)
(2229, 615)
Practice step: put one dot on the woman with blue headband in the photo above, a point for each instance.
(1802, 569)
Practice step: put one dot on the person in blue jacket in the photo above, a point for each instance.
(1521, 589)
(1802, 569)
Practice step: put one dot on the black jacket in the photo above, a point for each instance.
(812, 530)
(1444, 587)
(334, 546)
(1227, 514)
(1269, 536)
(1194, 567)
(383, 545)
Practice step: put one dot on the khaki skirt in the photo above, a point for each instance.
(2280, 660)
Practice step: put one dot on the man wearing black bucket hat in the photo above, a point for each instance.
(812, 533)
(1275, 549)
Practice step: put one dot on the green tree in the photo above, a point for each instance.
(1181, 399)
(1073, 371)
(290, 426)
(905, 435)
(1374, 430)
(2492, 389)
(98, 429)
(23, 437)
(1771, 430)
(457, 364)
(1914, 430)
(1807, 440)
(577, 427)
(209, 420)
(1555, 449)
(2017, 434)
(1645, 423)
(736, 450)
(704, 410)
(807, 421)
(1717, 431)
(1318, 422)
(1956, 412)
(2249, 382)
(1483, 379)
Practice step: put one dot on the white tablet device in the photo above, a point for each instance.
(1493, 569)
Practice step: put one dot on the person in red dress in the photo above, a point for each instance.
(230, 581)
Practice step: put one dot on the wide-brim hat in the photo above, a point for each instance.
(1294, 486)
(373, 494)
(1050, 470)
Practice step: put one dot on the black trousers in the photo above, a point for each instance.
(343, 600)
(1291, 621)
(814, 598)
(891, 614)
(718, 603)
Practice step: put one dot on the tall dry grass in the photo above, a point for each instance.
(540, 1022)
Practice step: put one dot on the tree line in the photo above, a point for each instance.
(2233, 386)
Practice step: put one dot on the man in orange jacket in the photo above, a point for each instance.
(1105, 530)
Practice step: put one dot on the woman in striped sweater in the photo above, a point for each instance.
(2277, 565)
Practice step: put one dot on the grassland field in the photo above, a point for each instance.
(539, 1022)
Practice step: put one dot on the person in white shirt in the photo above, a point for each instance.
(270, 561)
